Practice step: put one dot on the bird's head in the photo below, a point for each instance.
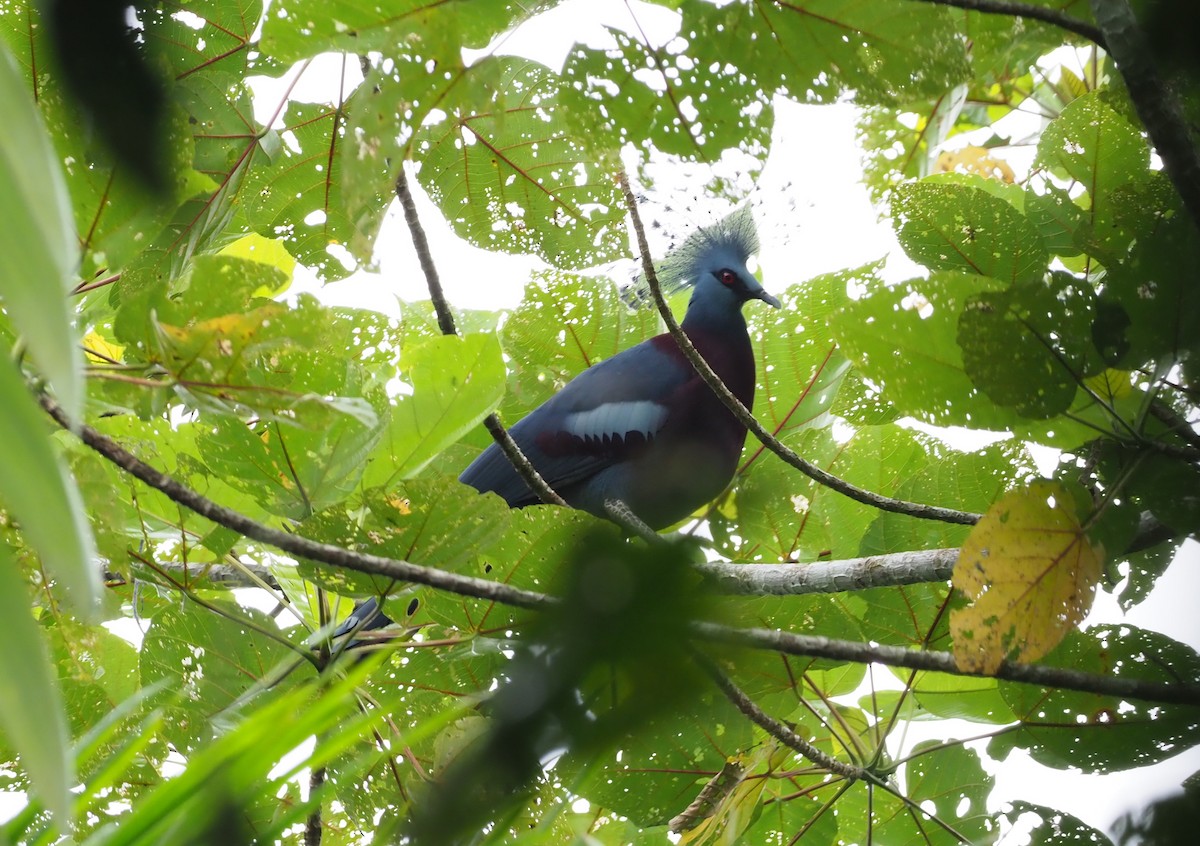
(713, 262)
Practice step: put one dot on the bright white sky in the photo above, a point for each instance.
(814, 216)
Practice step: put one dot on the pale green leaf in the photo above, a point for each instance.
(36, 490)
(38, 251)
(31, 710)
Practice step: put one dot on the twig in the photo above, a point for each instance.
(521, 463)
(312, 826)
(811, 646)
(770, 725)
(912, 509)
(421, 244)
(623, 515)
(1014, 9)
(1178, 425)
(445, 317)
(1155, 102)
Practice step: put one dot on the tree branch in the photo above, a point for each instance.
(1155, 102)
(901, 568)
(811, 646)
(912, 509)
(433, 282)
(302, 547)
(1014, 9)
(770, 725)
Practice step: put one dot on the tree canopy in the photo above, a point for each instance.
(188, 444)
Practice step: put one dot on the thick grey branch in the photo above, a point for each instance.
(902, 568)
(336, 556)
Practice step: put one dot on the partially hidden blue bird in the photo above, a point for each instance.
(642, 427)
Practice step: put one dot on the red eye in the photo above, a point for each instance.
(728, 278)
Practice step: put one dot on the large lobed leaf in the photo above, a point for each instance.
(1029, 572)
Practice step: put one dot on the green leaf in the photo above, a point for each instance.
(783, 516)
(799, 366)
(456, 382)
(1028, 348)
(1098, 149)
(529, 554)
(1095, 733)
(38, 251)
(971, 480)
(905, 339)
(437, 522)
(295, 194)
(1055, 828)
(290, 470)
(298, 29)
(31, 709)
(514, 168)
(592, 324)
(1153, 287)
(951, 780)
(949, 226)
(1058, 219)
(210, 660)
(45, 501)
(886, 52)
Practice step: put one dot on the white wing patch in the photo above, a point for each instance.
(616, 420)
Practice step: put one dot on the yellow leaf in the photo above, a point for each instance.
(1030, 573)
(975, 160)
(1110, 385)
(268, 251)
(100, 350)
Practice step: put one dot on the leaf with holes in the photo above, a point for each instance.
(1030, 573)
(948, 226)
(1027, 348)
(513, 167)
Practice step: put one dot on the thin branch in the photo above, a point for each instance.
(302, 547)
(312, 826)
(811, 646)
(1014, 9)
(1154, 101)
(421, 244)
(912, 509)
(521, 463)
(623, 515)
(770, 725)
(1177, 424)
(445, 317)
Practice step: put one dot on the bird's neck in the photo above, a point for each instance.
(716, 318)
(722, 341)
